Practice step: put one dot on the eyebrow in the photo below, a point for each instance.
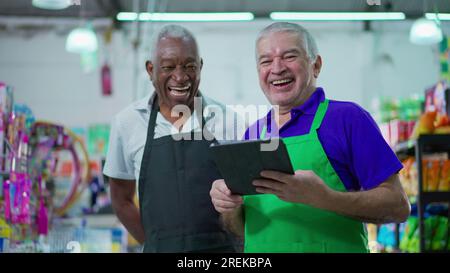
(292, 50)
(188, 60)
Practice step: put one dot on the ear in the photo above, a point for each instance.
(149, 68)
(317, 66)
(201, 64)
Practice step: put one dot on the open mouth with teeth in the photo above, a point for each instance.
(179, 91)
(282, 83)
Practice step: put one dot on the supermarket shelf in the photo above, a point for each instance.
(430, 197)
(435, 142)
(93, 221)
(429, 144)
(440, 142)
(423, 145)
(437, 251)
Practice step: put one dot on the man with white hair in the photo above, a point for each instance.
(345, 172)
(169, 155)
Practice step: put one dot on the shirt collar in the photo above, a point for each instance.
(145, 103)
(308, 108)
(311, 104)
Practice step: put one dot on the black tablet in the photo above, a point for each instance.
(241, 162)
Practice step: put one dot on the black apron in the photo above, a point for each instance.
(174, 183)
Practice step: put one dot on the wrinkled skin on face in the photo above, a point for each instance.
(286, 75)
(175, 72)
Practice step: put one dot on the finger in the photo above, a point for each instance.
(218, 195)
(236, 198)
(274, 175)
(230, 198)
(271, 184)
(222, 187)
(267, 190)
(226, 204)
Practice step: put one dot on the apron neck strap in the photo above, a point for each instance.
(152, 120)
(320, 114)
(263, 132)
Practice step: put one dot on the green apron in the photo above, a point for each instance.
(273, 225)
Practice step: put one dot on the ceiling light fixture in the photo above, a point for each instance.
(337, 16)
(186, 17)
(425, 32)
(438, 16)
(82, 40)
(52, 4)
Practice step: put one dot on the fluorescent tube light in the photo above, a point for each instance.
(186, 17)
(440, 16)
(337, 16)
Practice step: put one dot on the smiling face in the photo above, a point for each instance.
(175, 71)
(286, 75)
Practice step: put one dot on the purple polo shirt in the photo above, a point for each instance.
(350, 137)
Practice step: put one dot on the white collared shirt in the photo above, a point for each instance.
(129, 133)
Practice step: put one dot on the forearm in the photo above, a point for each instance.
(129, 216)
(234, 221)
(379, 205)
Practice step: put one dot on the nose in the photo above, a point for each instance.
(179, 74)
(278, 66)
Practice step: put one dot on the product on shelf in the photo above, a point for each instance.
(437, 98)
(444, 181)
(408, 235)
(432, 123)
(435, 172)
(23, 160)
(5, 235)
(435, 226)
(386, 238)
(49, 141)
(409, 177)
(397, 117)
(432, 173)
(435, 119)
(425, 125)
(401, 120)
(440, 234)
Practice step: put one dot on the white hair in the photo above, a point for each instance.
(306, 39)
(171, 31)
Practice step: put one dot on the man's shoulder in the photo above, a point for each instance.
(347, 116)
(345, 108)
(131, 111)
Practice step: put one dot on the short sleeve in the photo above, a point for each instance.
(372, 160)
(117, 164)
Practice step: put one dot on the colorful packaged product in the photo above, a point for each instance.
(430, 226)
(440, 234)
(410, 230)
(444, 180)
(425, 164)
(433, 175)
